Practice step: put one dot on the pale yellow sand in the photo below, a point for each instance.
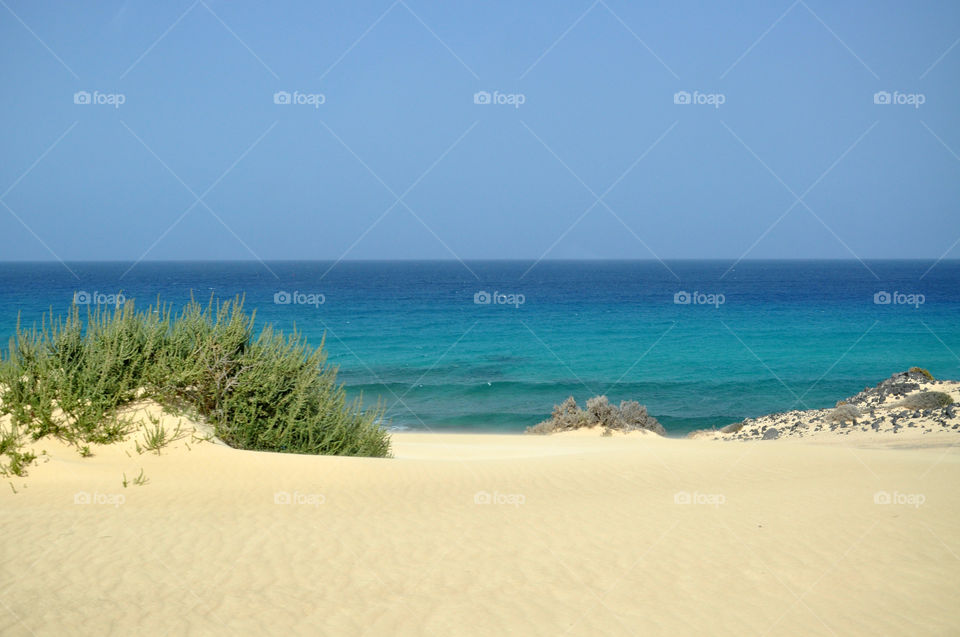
(488, 535)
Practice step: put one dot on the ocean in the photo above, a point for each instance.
(493, 345)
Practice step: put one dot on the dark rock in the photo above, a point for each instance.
(900, 384)
(771, 434)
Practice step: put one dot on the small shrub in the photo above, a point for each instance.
(732, 428)
(156, 437)
(925, 400)
(844, 413)
(567, 416)
(920, 370)
(633, 415)
(601, 412)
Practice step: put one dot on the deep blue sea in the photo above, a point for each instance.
(491, 346)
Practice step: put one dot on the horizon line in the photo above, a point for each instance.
(478, 260)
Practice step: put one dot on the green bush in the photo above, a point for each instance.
(273, 393)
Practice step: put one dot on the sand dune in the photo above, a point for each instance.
(487, 534)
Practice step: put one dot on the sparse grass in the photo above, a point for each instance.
(69, 377)
(139, 481)
(156, 437)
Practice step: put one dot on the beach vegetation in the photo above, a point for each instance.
(156, 437)
(17, 460)
(272, 391)
(925, 400)
(920, 370)
(567, 416)
(139, 481)
(844, 413)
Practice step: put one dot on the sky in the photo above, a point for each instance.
(410, 129)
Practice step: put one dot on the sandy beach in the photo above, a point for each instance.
(462, 319)
(571, 534)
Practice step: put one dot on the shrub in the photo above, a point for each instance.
(920, 370)
(844, 413)
(925, 400)
(633, 415)
(273, 393)
(732, 428)
(602, 412)
(566, 416)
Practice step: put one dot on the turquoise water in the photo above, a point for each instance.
(774, 335)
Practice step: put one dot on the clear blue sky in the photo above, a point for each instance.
(294, 181)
